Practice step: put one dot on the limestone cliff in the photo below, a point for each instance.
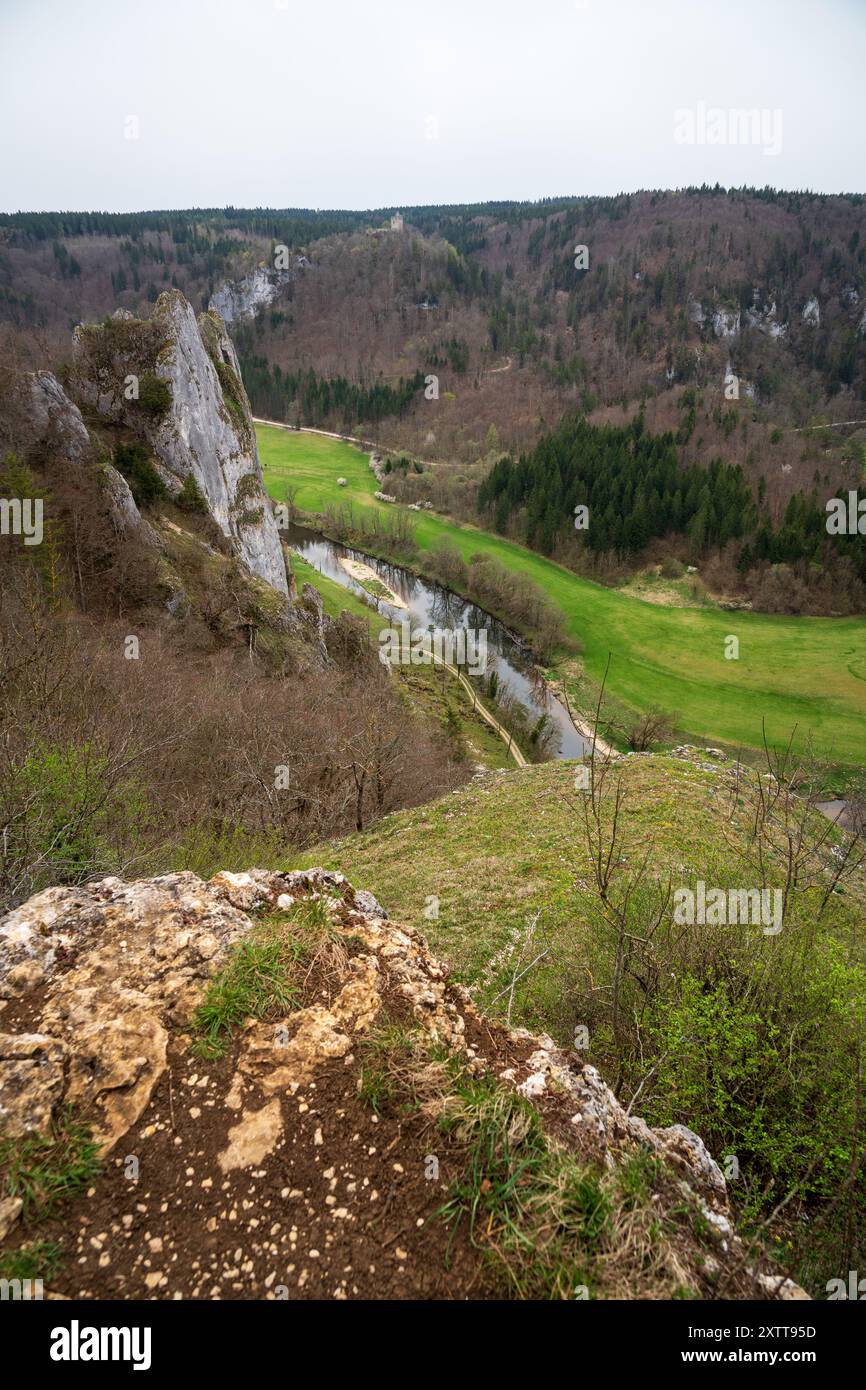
(197, 422)
(244, 298)
(55, 422)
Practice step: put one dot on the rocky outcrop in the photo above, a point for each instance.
(208, 432)
(32, 1077)
(812, 312)
(763, 317)
(312, 610)
(726, 323)
(695, 311)
(55, 422)
(98, 987)
(200, 427)
(118, 962)
(245, 298)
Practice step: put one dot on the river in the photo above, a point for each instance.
(429, 605)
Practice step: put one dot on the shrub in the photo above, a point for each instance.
(191, 498)
(63, 806)
(137, 467)
(154, 395)
(771, 1077)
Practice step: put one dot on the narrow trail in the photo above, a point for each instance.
(485, 714)
(495, 371)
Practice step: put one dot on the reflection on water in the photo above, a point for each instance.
(839, 812)
(429, 605)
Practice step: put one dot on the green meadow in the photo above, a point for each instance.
(807, 674)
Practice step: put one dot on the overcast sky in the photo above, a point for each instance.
(123, 105)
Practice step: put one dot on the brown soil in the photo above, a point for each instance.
(340, 1209)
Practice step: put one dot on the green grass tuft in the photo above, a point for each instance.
(44, 1169)
(254, 983)
(39, 1260)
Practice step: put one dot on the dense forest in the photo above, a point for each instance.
(634, 490)
(304, 397)
(630, 481)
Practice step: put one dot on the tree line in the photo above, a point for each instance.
(631, 481)
(635, 489)
(306, 398)
(802, 536)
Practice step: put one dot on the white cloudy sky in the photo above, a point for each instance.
(333, 103)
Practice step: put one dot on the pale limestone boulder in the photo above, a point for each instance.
(31, 1082)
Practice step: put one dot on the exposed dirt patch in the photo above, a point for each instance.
(340, 1208)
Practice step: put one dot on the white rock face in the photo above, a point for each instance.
(243, 299)
(764, 318)
(726, 323)
(208, 432)
(812, 312)
(53, 412)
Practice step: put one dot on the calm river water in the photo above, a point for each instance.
(429, 605)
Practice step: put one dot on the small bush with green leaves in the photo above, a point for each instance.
(191, 498)
(38, 1260)
(154, 395)
(137, 467)
(65, 807)
(769, 1076)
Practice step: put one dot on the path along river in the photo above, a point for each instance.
(428, 606)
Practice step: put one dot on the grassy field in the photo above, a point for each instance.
(499, 851)
(808, 673)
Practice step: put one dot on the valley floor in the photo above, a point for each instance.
(804, 677)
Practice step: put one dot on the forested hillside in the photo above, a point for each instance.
(732, 322)
(632, 490)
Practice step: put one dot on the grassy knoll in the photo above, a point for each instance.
(803, 672)
(501, 849)
(751, 1039)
